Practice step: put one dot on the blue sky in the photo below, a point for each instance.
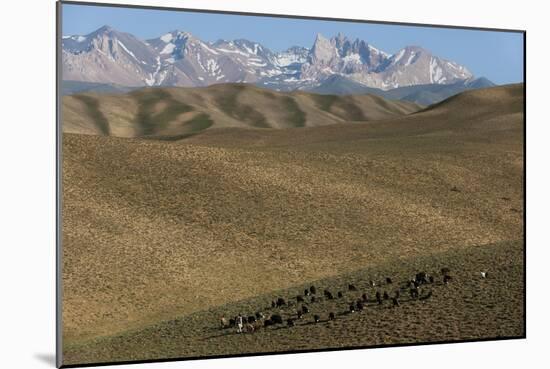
(497, 56)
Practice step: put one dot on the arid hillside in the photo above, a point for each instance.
(157, 230)
(469, 307)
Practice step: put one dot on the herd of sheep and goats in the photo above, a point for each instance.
(417, 288)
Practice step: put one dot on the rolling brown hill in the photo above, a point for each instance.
(471, 113)
(173, 113)
(155, 230)
(470, 307)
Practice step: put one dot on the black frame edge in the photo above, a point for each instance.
(58, 163)
(525, 184)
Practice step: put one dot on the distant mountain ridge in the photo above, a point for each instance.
(178, 58)
(424, 94)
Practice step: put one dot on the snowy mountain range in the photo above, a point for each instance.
(181, 59)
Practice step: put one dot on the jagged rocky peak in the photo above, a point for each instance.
(340, 40)
(104, 29)
(352, 55)
(323, 50)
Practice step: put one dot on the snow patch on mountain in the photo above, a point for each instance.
(167, 37)
(233, 51)
(168, 49)
(152, 76)
(378, 51)
(206, 47)
(212, 67)
(411, 57)
(399, 56)
(256, 64)
(356, 58)
(126, 49)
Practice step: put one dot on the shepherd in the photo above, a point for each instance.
(240, 323)
(223, 322)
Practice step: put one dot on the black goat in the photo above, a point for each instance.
(276, 319)
(421, 278)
